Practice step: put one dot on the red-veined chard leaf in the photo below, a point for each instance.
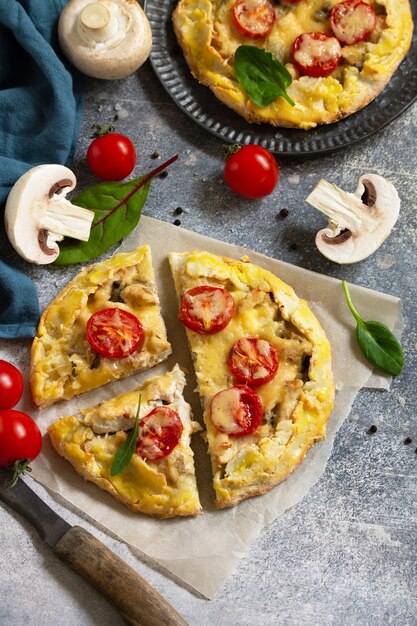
(117, 209)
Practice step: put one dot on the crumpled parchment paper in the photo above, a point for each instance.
(203, 551)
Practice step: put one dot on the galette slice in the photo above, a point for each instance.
(263, 368)
(104, 325)
(159, 479)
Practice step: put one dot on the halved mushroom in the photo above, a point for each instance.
(37, 214)
(358, 223)
(108, 39)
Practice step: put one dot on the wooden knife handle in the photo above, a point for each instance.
(136, 600)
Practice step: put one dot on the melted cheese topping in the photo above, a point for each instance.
(312, 49)
(206, 33)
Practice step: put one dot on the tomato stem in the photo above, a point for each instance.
(143, 182)
(19, 468)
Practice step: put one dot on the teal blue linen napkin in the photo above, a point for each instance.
(40, 116)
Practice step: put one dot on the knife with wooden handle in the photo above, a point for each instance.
(135, 599)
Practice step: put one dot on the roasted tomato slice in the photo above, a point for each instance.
(206, 309)
(236, 411)
(352, 21)
(316, 54)
(159, 433)
(254, 18)
(114, 333)
(253, 361)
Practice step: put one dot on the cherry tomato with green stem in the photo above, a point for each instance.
(252, 171)
(20, 441)
(111, 156)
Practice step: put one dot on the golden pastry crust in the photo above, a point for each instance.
(63, 363)
(205, 31)
(297, 402)
(89, 440)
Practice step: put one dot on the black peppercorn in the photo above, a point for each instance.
(283, 214)
(372, 429)
(163, 174)
(155, 155)
(177, 222)
(407, 440)
(178, 210)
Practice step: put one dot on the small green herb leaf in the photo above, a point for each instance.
(117, 208)
(263, 77)
(126, 450)
(377, 342)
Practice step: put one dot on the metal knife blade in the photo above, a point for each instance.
(136, 600)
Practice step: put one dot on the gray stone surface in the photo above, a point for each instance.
(346, 555)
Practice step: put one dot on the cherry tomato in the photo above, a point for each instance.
(11, 385)
(252, 172)
(206, 309)
(352, 21)
(316, 54)
(253, 361)
(111, 157)
(254, 19)
(236, 411)
(159, 433)
(114, 333)
(20, 437)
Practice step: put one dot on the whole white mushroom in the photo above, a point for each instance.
(108, 39)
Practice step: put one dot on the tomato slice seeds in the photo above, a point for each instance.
(253, 361)
(206, 309)
(352, 21)
(236, 411)
(316, 54)
(114, 333)
(254, 18)
(159, 433)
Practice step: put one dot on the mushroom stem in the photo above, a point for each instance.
(98, 22)
(63, 219)
(344, 210)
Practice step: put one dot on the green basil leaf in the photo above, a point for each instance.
(263, 77)
(380, 347)
(378, 344)
(109, 225)
(126, 450)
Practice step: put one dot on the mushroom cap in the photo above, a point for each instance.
(381, 206)
(121, 48)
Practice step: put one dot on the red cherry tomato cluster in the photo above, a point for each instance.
(20, 437)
